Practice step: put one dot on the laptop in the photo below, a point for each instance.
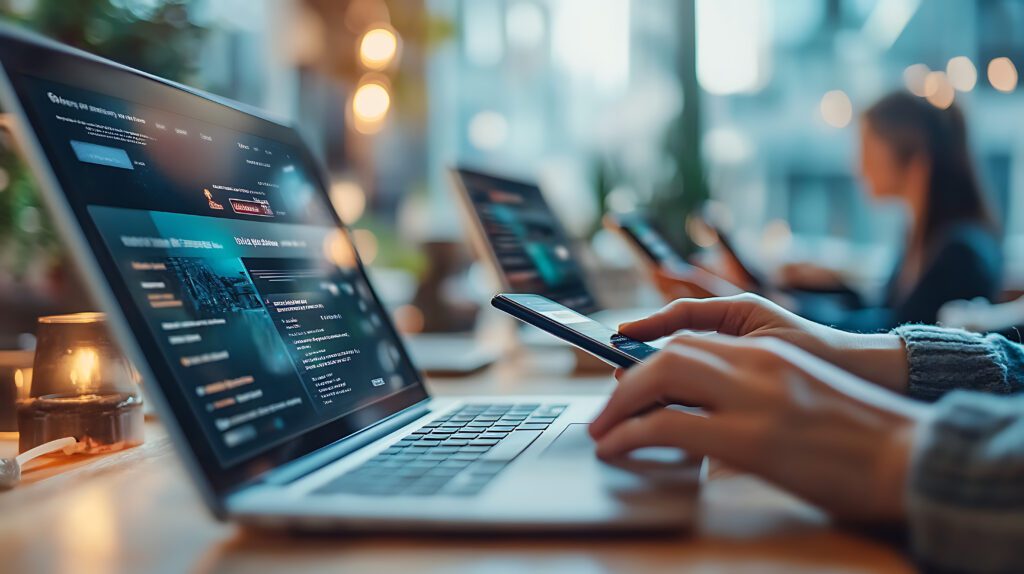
(204, 231)
(514, 230)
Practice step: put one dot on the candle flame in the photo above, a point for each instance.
(84, 368)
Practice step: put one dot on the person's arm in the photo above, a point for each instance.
(923, 361)
(809, 276)
(965, 500)
(941, 360)
(879, 358)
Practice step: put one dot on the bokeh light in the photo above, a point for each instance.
(702, 234)
(370, 105)
(349, 200)
(938, 90)
(408, 319)
(366, 245)
(836, 109)
(378, 48)
(338, 249)
(913, 78)
(962, 74)
(488, 130)
(1002, 74)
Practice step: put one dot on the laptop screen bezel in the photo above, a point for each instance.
(22, 54)
(486, 246)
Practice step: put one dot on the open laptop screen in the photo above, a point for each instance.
(219, 243)
(528, 244)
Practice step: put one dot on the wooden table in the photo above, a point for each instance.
(135, 512)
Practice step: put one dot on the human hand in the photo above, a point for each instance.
(807, 276)
(694, 282)
(980, 315)
(878, 358)
(774, 410)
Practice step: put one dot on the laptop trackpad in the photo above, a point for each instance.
(574, 442)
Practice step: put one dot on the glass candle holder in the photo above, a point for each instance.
(82, 386)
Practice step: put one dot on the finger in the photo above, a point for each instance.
(676, 375)
(697, 434)
(619, 373)
(723, 347)
(723, 314)
(712, 353)
(764, 355)
(736, 351)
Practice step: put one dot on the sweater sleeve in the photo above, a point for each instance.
(965, 500)
(941, 360)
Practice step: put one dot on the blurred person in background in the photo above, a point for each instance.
(843, 420)
(917, 154)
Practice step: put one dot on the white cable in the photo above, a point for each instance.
(10, 468)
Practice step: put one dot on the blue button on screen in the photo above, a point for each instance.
(101, 155)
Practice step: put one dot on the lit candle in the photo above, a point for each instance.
(83, 387)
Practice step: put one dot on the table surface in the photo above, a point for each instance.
(135, 511)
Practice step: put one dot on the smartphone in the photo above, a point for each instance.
(646, 241)
(755, 279)
(574, 328)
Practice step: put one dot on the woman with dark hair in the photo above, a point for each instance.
(915, 153)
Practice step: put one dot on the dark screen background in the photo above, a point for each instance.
(531, 247)
(231, 255)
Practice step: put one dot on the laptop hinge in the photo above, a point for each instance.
(320, 458)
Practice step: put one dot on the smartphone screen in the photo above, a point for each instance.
(575, 328)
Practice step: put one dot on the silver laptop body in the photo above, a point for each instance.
(281, 428)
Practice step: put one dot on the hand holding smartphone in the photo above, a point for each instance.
(574, 328)
(673, 276)
(647, 242)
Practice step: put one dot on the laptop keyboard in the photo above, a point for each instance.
(457, 454)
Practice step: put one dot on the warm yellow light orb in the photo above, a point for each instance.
(369, 106)
(378, 48)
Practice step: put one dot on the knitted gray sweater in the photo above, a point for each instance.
(966, 485)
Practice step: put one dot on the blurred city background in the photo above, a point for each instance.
(746, 109)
